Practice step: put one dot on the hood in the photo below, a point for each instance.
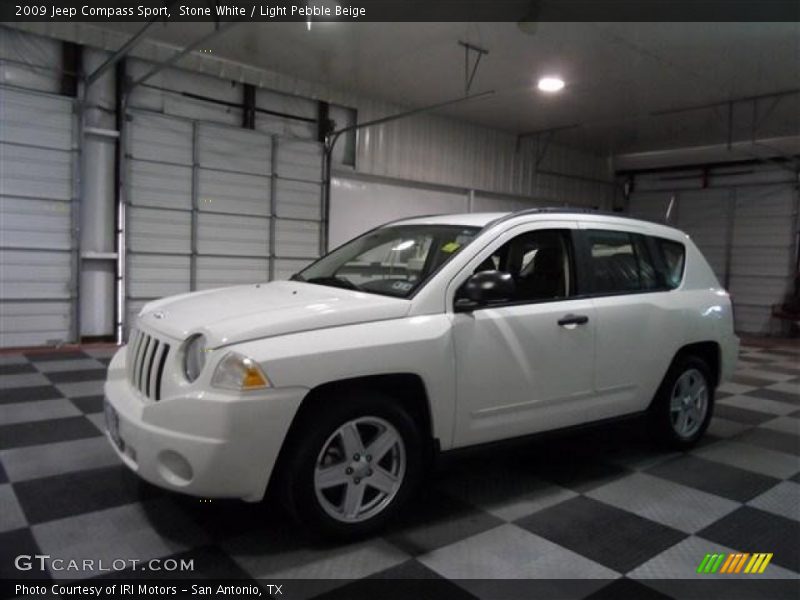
(248, 312)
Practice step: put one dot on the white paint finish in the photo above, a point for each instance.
(304, 335)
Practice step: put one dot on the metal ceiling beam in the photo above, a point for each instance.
(779, 94)
(219, 28)
(122, 51)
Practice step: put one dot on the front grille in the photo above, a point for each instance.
(146, 358)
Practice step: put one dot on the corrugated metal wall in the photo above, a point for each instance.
(435, 149)
(213, 204)
(36, 233)
(745, 221)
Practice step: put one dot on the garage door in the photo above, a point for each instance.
(763, 253)
(212, 205)
(36, 243)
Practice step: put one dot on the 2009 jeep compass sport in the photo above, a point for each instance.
(431, 333)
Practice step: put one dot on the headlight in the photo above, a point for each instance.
(237, 372)
(194, 357)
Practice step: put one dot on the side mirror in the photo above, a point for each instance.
(484, 288)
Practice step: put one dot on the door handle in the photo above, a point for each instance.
(573, 320)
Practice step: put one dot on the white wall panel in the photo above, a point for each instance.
(36, 232)
(29, 223)
(703, 215)
(219, 191)
(233, 235)
(296, 239)
(299, 160)
(231, 149)
(29, 61)
(762, 258)
(160, 231)
(157, 275)
(160, 139)
(32, 323)
(357, 206)
(159, 185)
(298, 199)
(218, 271)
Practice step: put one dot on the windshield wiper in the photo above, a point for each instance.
(297, 277)
(334, 281)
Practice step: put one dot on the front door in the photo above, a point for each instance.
(527, 364)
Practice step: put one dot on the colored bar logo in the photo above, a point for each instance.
(736, 562)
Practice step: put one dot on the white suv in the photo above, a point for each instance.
(340, 386)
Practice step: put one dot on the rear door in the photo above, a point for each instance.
(634, 316)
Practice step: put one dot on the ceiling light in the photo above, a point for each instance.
(550, 84)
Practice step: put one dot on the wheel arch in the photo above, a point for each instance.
(407, 388)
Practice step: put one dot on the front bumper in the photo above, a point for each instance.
(205, 443)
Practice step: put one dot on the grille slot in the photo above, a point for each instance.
(147, 356)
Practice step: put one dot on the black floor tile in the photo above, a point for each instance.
(35, 433)
(714, 478)
(29, 394)
(77, 375)
(741, 415)
(435, 519)
(19, 542)
(56, 355)
(407, 580)
(776, 395)
(88, 404)
(72, 494)
(17, 369)
(612, 537)
(751, 530)
(627, 589)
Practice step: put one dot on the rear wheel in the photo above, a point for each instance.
(353, 465)
(682, 408)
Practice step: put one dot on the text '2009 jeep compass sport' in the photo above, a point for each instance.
(424, 334)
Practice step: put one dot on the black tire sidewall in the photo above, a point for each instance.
(315, 432)
(660, 416)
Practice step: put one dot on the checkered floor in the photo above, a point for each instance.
(600, 506)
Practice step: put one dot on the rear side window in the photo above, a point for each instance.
(621, 263)
(673, 259)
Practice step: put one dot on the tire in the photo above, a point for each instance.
(681, 410)
(352, 497)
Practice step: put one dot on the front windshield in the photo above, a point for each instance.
(392, 261)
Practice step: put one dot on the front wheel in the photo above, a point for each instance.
(353, 466)
(682, 408)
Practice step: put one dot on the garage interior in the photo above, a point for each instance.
(139, 161)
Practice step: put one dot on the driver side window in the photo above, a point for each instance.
(540, 262)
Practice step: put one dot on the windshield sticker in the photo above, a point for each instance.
(451, 247)
(403, 286)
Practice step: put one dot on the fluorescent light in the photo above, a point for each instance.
(550, 84)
